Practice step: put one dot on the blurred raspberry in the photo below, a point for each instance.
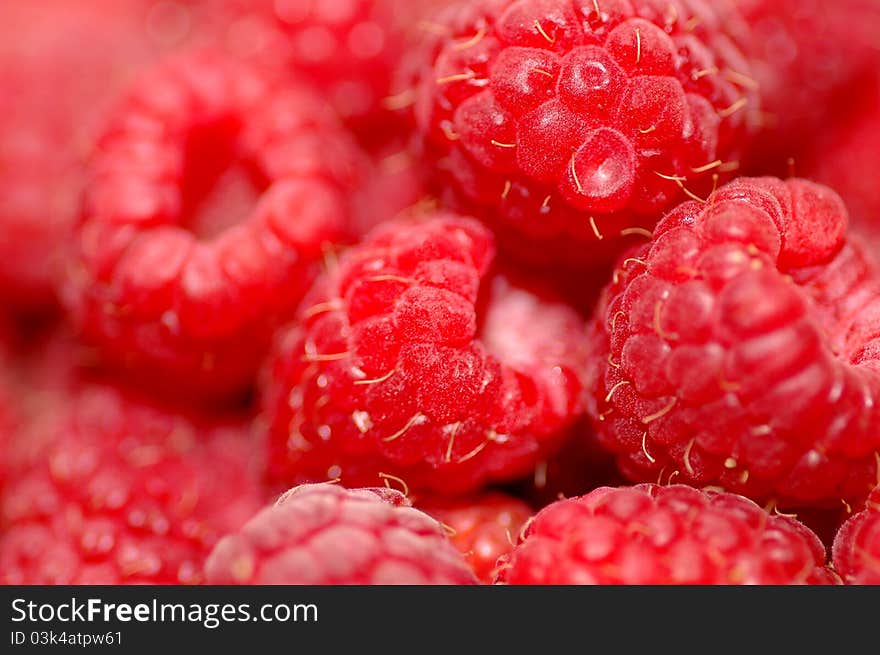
(214, 193)
(845, 153)
(347, 49)
(111, 489)
(322, 534)
(812, 59)
(62, 62)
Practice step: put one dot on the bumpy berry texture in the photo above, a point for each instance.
(117, 490)
(213, 194)
(483, 528)
(410, 358)
(574, 122)
(739, 349)
(857, 546)
(653, 535)
(323, 534)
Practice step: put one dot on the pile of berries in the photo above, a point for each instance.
(439, 292)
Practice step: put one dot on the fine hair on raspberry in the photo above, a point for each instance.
(654, 535)
(413, 358)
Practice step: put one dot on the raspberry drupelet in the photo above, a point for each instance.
(483, 527)
(575, 122)
(857, 545)
(412, 359)
(114, 489)
(213, 194)
(323, 534)
(653, 535)
(740, 349)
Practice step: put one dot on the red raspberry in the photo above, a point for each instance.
(181, 276)
(652, 535)
(483, 527)
(322, 534)
(409, 359)
(122, 491)
(857, 546)
(570, 126)
(61, 62)
(740, 348)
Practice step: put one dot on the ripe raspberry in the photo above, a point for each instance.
(739, 348)
(570, 122)
(323, 534)
(122, 491)
(61, 62)
(484, 527)
(410, 359)
(213, 193)
(653, 535)
(857, 546)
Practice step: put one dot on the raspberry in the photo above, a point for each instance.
(119, 490)
(410, 359)
(323, 534)
(857, 546)
(213, 193)
(653, 535)
(56, 80)
(484, 527)
(739, 348)
(571, 127)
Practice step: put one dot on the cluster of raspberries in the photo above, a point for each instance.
(439, 292)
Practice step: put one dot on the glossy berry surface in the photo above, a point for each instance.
(411, 358)
(322, 534)
(739, 349)
(213, 194)
(652, 535)
(572, 122)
